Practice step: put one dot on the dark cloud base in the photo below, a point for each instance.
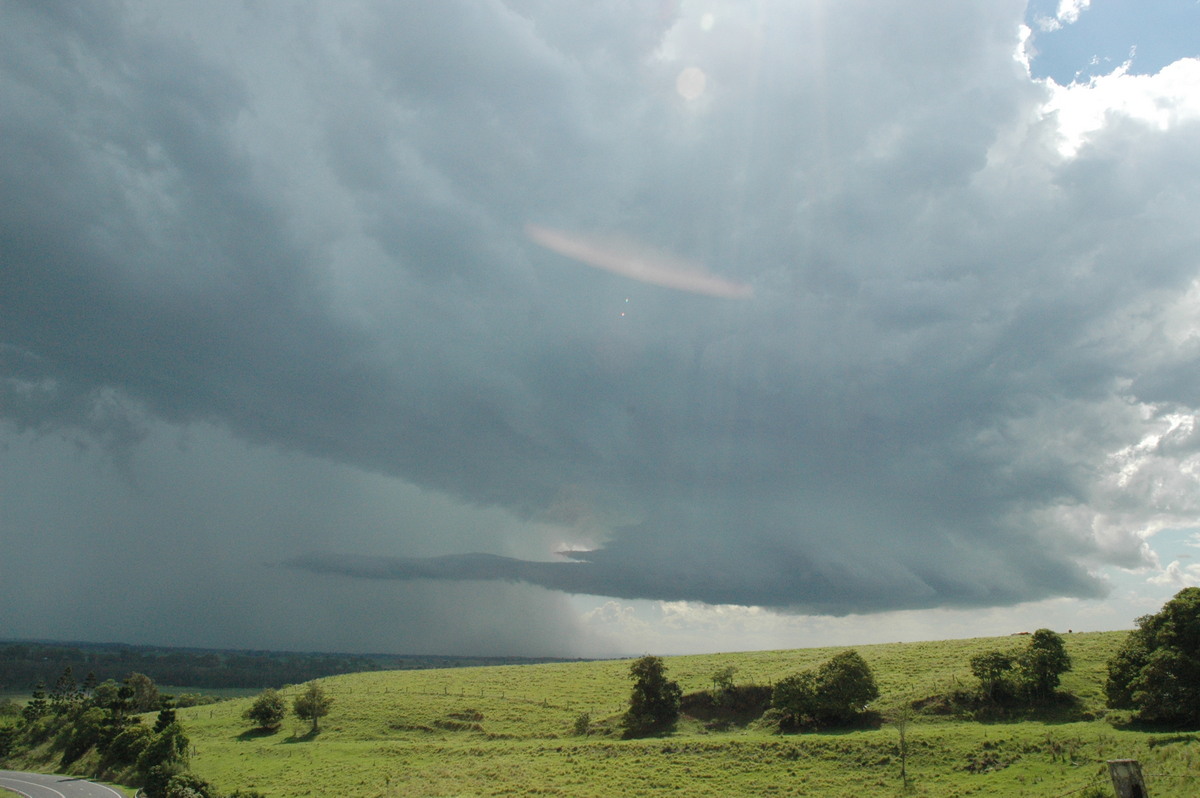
(811, 593)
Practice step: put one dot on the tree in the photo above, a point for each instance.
(312, 705)
(145, 696)
(845, 685)
(654, 702)
(168, 747)
(723, 679)
(106, 695)
(36, 706)
(993, 669)
(1157, 670)
(267, 711)
(795, 698)
(836, 692)
(1042, 664)
(65, 692)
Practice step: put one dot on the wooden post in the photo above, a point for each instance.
(1127, 778)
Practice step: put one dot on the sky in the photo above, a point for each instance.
(596, 328)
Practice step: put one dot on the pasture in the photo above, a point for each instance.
(510, 730)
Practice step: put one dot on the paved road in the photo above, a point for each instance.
(40, 785)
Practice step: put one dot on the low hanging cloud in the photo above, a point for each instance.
(962, 308)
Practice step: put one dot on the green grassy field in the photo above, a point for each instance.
(508, 730)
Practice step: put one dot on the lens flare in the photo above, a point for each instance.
(630, 259)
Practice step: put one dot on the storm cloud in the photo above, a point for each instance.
(959, 367)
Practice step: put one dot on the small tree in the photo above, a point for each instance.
(65, 692)
(845, 685)
(795, 698)
(36, 706)
(312, 705)
(723, 679)
(1042, 664)
(144, 697)
(993, 669)
(267, 711)
(900, 717)
(654, 703)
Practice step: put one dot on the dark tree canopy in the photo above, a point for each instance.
(1157, 670)
(654, 703)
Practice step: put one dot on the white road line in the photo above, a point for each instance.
(32, 784)
(79, 787)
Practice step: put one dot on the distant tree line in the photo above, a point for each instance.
(25, 664)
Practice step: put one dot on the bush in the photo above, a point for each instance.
(126, 747)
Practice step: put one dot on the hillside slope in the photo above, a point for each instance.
(509, 731)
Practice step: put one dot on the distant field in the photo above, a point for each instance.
(507, 730)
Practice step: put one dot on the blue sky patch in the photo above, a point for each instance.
(1110, 32)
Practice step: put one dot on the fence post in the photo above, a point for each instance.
(1127, 778)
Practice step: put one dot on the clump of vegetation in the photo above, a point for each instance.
(1028, 678)
(654, 703)
(96, 729)
(727, 704)
(1157, 670)
(836, 693)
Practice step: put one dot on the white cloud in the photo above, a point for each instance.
(1178, 576)
(1163, 101)
(1069, 10)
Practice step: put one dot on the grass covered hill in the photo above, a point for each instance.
(515, 730)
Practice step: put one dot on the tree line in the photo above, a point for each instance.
(23, 664)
